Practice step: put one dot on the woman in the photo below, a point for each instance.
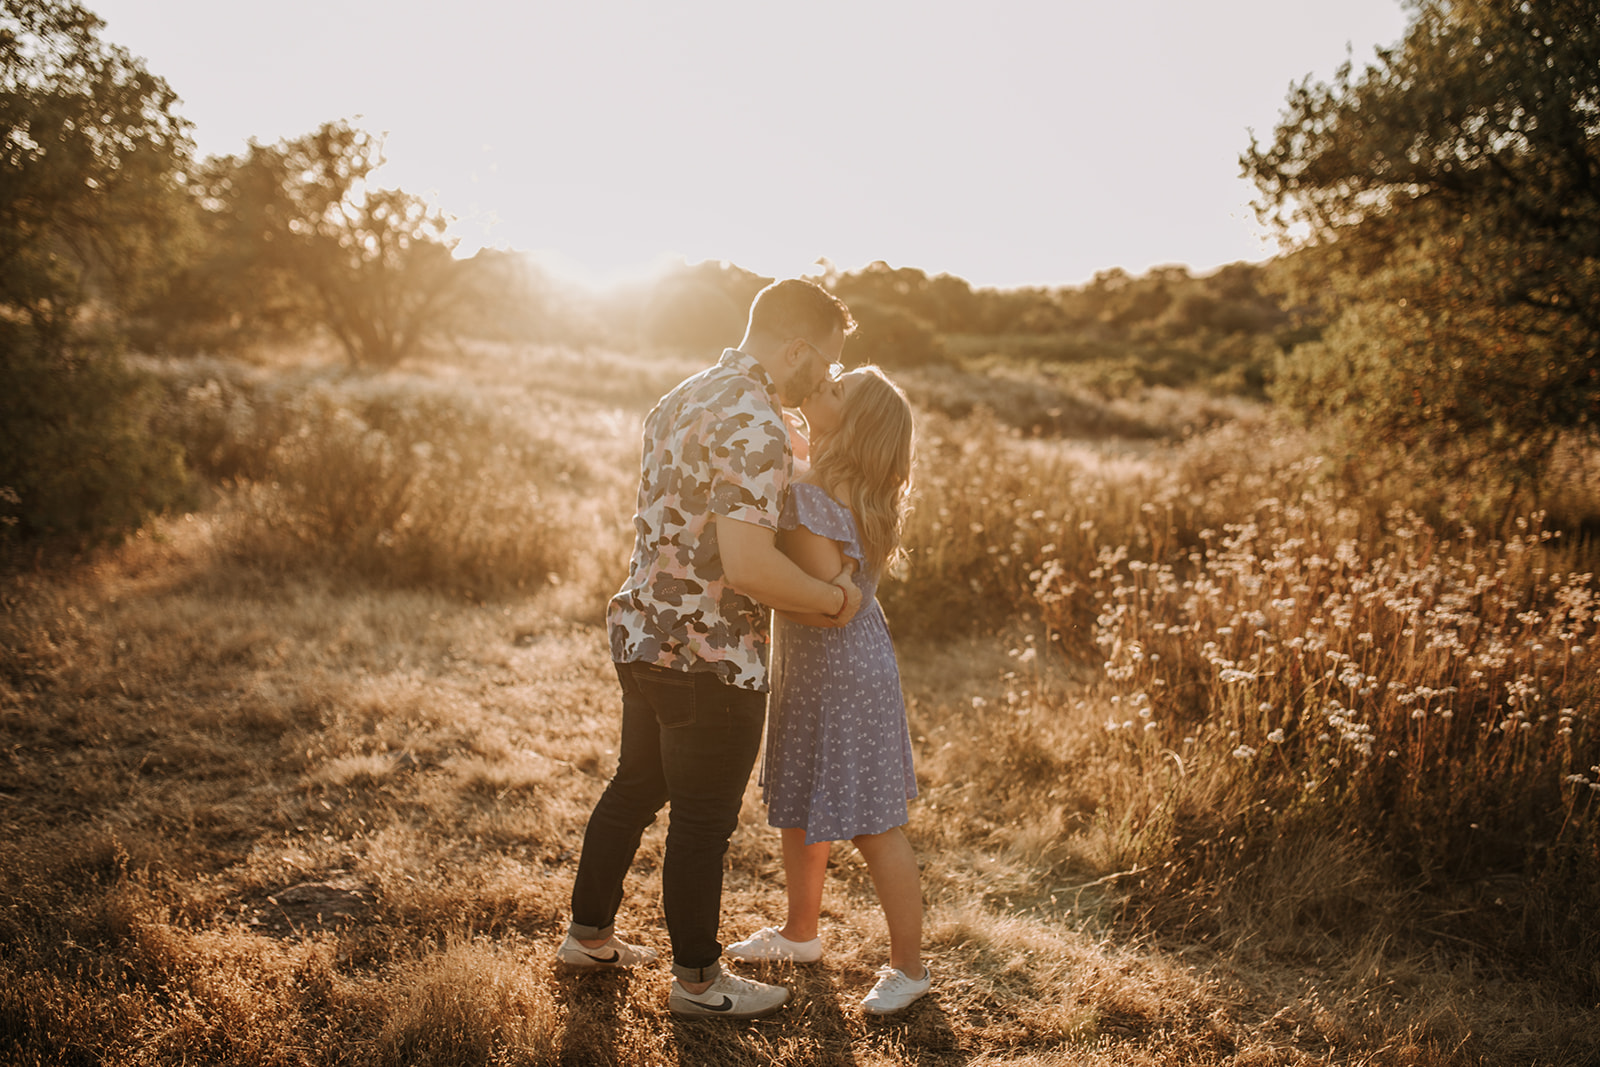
(838, 749)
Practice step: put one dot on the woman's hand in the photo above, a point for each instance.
(845, 580)
(793, 583)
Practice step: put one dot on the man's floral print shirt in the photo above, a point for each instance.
(716, 445)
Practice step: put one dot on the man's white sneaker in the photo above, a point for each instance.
(610, 956)
(729, 997)
(768, 943)
(895, 991)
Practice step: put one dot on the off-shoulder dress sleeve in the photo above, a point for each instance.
(809, 506)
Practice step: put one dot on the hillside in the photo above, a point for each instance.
(299, 777)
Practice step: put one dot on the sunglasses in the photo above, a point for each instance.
(832, 371)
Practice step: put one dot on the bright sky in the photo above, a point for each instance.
(1008, 143)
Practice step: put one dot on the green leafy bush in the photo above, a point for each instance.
(1451, 236)
(79, 452)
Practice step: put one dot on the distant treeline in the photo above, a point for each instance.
(1441, 303)
(1169, 327)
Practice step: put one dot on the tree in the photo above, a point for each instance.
(703, 305)
(297, 233)
(1448, 202)
(890, 336)
(91, 161)
(91, 165)
(945, 303)
(507, 296)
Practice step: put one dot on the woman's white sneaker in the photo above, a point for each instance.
(896, 990)
(768, 943)
(729, 997)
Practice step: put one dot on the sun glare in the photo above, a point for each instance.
(598, 273)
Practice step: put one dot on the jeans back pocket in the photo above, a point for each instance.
(670, 693)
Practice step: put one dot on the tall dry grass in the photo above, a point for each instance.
(1323, 661)
(258, 812)
(490, 475)
(1434, 697)
(1296, 667)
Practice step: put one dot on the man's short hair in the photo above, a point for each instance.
(794, 307)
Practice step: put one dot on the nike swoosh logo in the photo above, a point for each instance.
(613, 958)
(727, 1003)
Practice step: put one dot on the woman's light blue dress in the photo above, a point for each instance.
(838, 759)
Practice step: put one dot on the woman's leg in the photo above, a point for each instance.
(804, 868)
(893, 866)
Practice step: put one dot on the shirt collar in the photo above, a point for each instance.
(741, 361)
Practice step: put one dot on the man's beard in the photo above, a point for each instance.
(789, 388)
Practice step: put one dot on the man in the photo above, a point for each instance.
(689, 636)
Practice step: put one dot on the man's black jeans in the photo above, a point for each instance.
(690, 739)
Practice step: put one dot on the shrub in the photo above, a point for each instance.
(1028, 399)
(80, 458)
(892, 337)
(395, 479)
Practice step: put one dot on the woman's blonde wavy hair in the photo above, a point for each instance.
(866, 464)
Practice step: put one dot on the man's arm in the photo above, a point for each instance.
(752, 564)
(819, 556)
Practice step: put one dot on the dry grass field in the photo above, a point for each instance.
(300, 778)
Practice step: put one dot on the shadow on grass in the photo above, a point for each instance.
(810, 1029)
(599, 1015)
(922, 1030)
(822, 1025)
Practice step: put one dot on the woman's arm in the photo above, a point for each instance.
(818, 556)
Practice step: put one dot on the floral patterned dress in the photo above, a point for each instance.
(838, 759)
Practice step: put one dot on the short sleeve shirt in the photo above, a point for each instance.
(715, 445)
